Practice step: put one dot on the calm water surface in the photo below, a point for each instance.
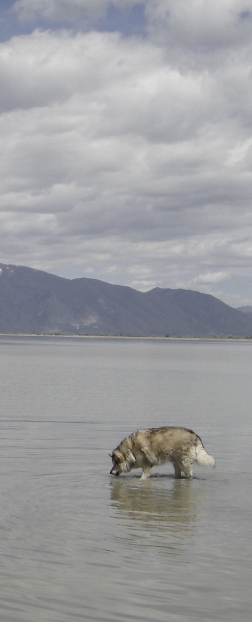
(78, 544)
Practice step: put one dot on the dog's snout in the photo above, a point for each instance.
(114, 472)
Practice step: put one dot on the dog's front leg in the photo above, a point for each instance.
(149, 455)
(146, 473)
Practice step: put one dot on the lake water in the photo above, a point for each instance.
(78, 544)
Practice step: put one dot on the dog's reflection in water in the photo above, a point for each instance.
(175, 506)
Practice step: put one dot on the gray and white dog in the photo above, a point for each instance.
(148, 448)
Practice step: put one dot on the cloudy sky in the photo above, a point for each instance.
(126, 143)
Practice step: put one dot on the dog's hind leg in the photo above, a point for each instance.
(186, 467)
(177, 470)
(188, 473)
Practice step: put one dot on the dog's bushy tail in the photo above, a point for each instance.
(202, 457)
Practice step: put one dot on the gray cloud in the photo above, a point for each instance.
(128, 158)
(206, 26)
(67, 10)
(203, 24)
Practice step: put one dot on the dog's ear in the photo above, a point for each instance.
(118, 454)
(130, 458)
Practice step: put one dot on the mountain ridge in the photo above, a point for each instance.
(34, 301)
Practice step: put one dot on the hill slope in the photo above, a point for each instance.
(33, 301)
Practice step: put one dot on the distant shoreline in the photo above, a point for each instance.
(126, 337)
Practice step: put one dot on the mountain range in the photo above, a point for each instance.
(36, 302)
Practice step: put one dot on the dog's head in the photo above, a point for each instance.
(122, 462)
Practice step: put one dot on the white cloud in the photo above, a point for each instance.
(208, 278)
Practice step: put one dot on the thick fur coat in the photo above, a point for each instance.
(148, 448)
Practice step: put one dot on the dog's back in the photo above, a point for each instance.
(166, 440)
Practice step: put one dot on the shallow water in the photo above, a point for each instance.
(76, 543)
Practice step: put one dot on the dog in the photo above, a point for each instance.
(148, 448)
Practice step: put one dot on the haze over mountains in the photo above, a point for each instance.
(245, 309)
(33, 301)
